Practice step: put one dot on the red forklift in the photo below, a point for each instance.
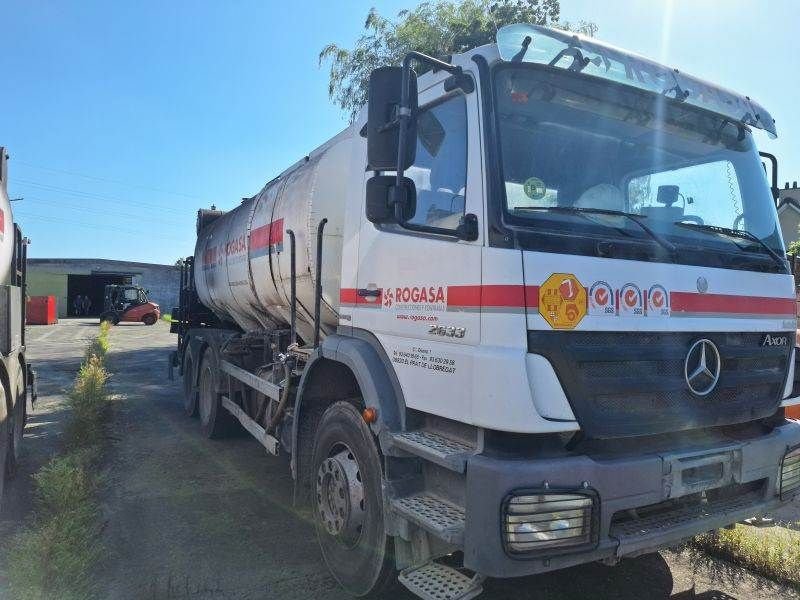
(128, 303)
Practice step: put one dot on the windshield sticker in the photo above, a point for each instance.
(657, 301)
(534, 188)
(601, 300)
(562, 301)
(630, 301)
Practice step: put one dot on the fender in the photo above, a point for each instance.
(364, 356)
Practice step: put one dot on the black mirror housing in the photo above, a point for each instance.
(383, 124)
(383, 194)
(668, 195)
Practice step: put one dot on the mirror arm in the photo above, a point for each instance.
(774, 161)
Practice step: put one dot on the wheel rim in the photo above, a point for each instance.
(206, 395)
(340, 496)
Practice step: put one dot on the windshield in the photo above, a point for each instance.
(575, 150)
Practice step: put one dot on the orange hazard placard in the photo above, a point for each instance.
(562, 301)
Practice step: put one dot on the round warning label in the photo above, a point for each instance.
(534, 188)
(601, 299)
(657, 301)
(630, 301)
(562, 301)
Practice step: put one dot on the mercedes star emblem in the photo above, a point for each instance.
(702, 367)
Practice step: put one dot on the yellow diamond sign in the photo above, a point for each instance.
(562, 301)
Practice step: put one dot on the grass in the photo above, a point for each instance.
(53, 555)
(772, 551)
(167, 317)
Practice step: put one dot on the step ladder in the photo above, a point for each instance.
(437, 516)
(434, 581)
(436, 447)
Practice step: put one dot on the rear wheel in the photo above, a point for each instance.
(189, 389)
(215, 421)
(348, 503)
(149, 319)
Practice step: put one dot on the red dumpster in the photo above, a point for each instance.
(41, 310)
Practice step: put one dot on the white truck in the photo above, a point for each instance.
(17, 377)
(528, 311)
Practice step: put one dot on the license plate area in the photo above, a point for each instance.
(689, 473)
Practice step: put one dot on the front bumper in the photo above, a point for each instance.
(623, 483)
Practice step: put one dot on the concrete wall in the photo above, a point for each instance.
(48, 276)
(41, 283)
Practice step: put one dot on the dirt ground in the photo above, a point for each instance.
(191, 518)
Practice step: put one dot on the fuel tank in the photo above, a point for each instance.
(242, 257)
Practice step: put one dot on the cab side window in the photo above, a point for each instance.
(440, 170)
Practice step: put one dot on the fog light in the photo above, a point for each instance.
(548, 520)
(790, 473)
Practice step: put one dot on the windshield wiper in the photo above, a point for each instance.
(735, 233)
(661, 241)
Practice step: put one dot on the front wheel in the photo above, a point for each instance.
(348, 503)
(149, 319)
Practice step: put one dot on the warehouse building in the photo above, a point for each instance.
(66, 278)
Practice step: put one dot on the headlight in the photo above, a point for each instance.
(548, 520)
(790, 473)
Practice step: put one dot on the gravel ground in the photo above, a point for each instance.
(187, 517)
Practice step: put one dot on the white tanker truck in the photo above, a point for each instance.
(533, 306)
(16, 376)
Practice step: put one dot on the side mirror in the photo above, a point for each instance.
(383, 194)
(383, 124)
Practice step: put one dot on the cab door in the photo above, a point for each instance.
(419, 294)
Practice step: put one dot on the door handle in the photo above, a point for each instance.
(365, 293)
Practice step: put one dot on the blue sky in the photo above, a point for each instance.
(122, 118)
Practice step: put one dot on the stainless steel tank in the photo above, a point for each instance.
(242, 258)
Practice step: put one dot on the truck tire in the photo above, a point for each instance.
(6, 442)
(189, 389)
(215, 421)
(17, 423)
(348, 502)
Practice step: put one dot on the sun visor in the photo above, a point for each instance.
(573, 52)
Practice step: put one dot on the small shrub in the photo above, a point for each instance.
(52, 557)
(772, 551)
(89, 402)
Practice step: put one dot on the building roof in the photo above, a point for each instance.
(98, 263)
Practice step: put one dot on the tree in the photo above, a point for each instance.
(434, 28)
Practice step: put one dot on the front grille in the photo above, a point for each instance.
(629, 384)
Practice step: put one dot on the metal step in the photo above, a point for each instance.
(435, 447)
(440, 517)
(433, 581)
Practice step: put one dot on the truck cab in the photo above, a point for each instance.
(548, 318)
